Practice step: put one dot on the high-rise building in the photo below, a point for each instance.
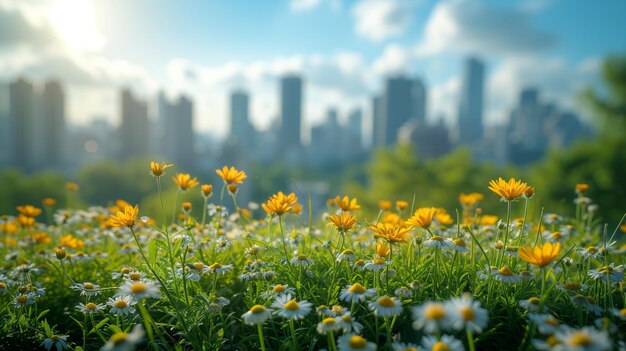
(398, 106)
(135, 127)
(378, 122)
(53, 121)
(419, 101)
(470, 122)
(6, 128)
(291, 112)
(164, 131)
(22, 121)
(241, 130)
(184, 135)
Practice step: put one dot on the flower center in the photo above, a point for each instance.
(557, 235)
(88, 286)
(216, 266)
(347, 252)
(329, 321)
(135, 276)
(580, 339)
(623, 312)
(22, 299)
(359, 262)
(119, 338)
(138, 287)
(257, 309)
(120, 304)
(434, 312)
(278, 288)
(198, 266)
(505, 271)
(386, 301)
(440, 346)
(378, 260)
(534, 300)
(55, 338)
(592, 250)
(436, 237)
(357, 288)
(292, 305)
(91, 306)
(572, 286)
(302, 258)
(551, 321)
(467, 313)
(459, 242)
(357, 342)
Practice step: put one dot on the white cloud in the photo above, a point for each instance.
(472, 26)
(378, 20)
(395, 59)
(443, 100)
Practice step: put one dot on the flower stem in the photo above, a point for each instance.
(261, 338)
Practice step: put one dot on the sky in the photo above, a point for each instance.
(344, 49)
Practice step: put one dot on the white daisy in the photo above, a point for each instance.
(58, 341)
(140, 289)
(356, 293)
(377, 263)
(531, 305)
(431, 317)
(401, 346)
(386, 306)
(327, 325)
(447, 342)
(353, 342)
(346, 255)
(546, 323)
(572, 287)
(219, 269)
(22, 300)
(437, 242)
(458, 245)
(289, 308)
(278, 290)
(347, 324)
(585, 339)
(590, 252)
(86, 289)
(302, 261)
(256, 315)
(121, 341)
(505, 275)
(466, 313)
(122, 305)
(90, 307)
(610, 273)
(359, 265)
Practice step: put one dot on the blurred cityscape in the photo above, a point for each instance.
(36, 135)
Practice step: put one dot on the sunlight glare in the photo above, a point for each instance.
(74, 21)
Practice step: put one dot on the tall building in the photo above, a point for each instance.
(22, 121)
(290, 112)
(418, 92)
(241, 130)
(6, 128)
(135, 127)
(184, 135)
(470, 122)
(53, 121)
(173, 133)
(378, 122)
(398, 106)
(164, 131)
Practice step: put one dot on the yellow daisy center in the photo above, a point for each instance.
(580, 339)
(292, 305)
(386, 301)
(467, 313)
(22, 299)
(505, 271)
(119, 338)
(135, 276)
(592, 249)
(378, 260)
(435, 312)
(534, 300)
(553, 322)
(436, 237)
(198, 266)
(138, 287)
(278, 288)
(216, 266)
(623, 312)
(91, 306)
(120, 304)
(357, 342)
(257, 309)
(88, 286)
(347, 252)
(459, 242)
(572, 286)
(55, 338)
(357, 288)
(440, 346)
(328, 321)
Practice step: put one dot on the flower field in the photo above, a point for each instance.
(272, 277)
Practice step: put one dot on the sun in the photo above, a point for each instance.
(74, 21)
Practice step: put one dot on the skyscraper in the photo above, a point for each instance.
(241, 130)
(22, 121)
(290, 112)
(470, 122)
(378, 122)
(135, 127)
(184, 132)
(398, 106)
(418, 93)
(6, 127)
(53, 121)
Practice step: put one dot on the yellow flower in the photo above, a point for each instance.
(25, 221)
(582, 188)
(344, 221)
(184, 181)
(231, 175)
(470, 199)
(279, 204)
(540, 256)
(70, 241)
(41, 237)
(510, 190)
(401, 205)
(422, 217)
(48, 202)
(391, 233)
(346, 204)
(29, 211)
(384, 205)
(207, 190)
(444, 217)
(157, 169)
(71, 186)
(382, 249)
(127, 218)
(488, 220)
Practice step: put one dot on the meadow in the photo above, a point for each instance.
(272, 277)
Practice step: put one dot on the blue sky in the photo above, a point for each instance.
(344, 49)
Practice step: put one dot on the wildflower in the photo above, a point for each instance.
(302, 260)
(382, 249)
(471, 199)
(584, 339)
(403, 292)
(289, 308)
(572, 287)
(436, 242)
(540, 256)
(122, 305)
(390, 232)
(48, 202)
(347, 324)
(443, 218)
(58, 341)
(256, 315)
(546, 323)
(447, 342)
(327, 325)
(22, 300)
(207, 190)
(359, 265)
(384, 205)
(620, 313)
(353, 342)
(581, 188)
(466, 313)
(401, 346)
(377, 263)
(401, 205)
(356, 293)
(344, 222)
(71, 186)
(90, 307)
(219, 268)
(553, 237)
(386, 306)
(422, 217)
(184, 181)
(505, 275)
(279, 290)
(459, 245)
(552, 218)
(532, 304)
(279, 204)
(86, 289)
(346, 255)
(346, 204)
(29, 211)
(140, 289)
(591, 252)
(510, 190)
(612, 273)
(231, 175)
(127, 218)
(431, 317)
(122, 341)
(158, 169)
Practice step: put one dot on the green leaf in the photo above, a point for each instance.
(152, 251)
(43, 313)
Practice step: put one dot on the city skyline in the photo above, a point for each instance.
(363, 42)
